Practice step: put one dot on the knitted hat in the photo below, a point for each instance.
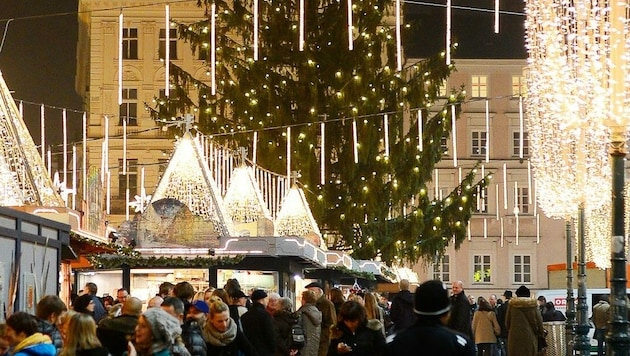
(522, 291)
(507, 294)
(81, 303)
(164, 327)
(431, 299)
(259, 294)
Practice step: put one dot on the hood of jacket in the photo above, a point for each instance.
(523, 302)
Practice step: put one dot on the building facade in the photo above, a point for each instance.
(510, 241)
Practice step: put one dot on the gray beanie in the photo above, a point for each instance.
(164, 327)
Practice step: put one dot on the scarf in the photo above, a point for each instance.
(217, 338)
(35, 339)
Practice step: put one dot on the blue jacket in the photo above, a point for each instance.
(37, 344)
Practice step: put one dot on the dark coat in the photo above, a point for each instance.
(51, 330)
(329, 318)
(553, 315)
(460, 319)
(525, 324)
(258, 327)
(97, 351)
(501, 312)
(239, 347)
(428, 337)
(401, 311)
(367, 340)
(193, 340)
(282, 322)
(115, 332)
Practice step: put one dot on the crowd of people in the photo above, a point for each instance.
(229, 321)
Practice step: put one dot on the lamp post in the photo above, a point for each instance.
(618, 338)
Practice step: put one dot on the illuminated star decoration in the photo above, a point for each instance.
(141, 202)
(61, 188)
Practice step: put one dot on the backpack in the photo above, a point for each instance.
(298, 338)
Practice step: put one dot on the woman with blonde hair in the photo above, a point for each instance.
(373, 310)
(221, 333)
(80, 337)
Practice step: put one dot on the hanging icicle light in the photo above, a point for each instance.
(167, 51)
(399, 58)
(120, 57)
(256, 14)
(213, 49)
(350, 26)
(302, 25)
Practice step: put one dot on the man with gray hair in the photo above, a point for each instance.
(401, 311)
(329, 316)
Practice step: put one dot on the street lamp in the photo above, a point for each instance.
(578, 74)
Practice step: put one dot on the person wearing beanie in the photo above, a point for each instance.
(258, 325)
(524, 324)
(461, 318)
(429, 333)
(84, 304)
(157, 334)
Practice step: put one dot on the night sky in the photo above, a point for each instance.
(38, 56)
(38, 60)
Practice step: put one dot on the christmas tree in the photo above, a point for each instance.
(330, 77)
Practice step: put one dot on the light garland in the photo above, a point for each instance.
(569, 103)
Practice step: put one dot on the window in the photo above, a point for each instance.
(479, 87)
(444, 144)
(523, 200)
(481, 269)
(129, 108)
(522, 269)
(516, 143)
(442, 269)
(479, 140)
(519, 87)
(172, 43)
(129, 180)
(482, 200)
(130, 43)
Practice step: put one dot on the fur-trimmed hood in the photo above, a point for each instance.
(523, 302)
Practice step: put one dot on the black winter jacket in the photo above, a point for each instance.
(367, 339)
(401, 312)
(51, 330)
(191, 335)
(429, 337)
